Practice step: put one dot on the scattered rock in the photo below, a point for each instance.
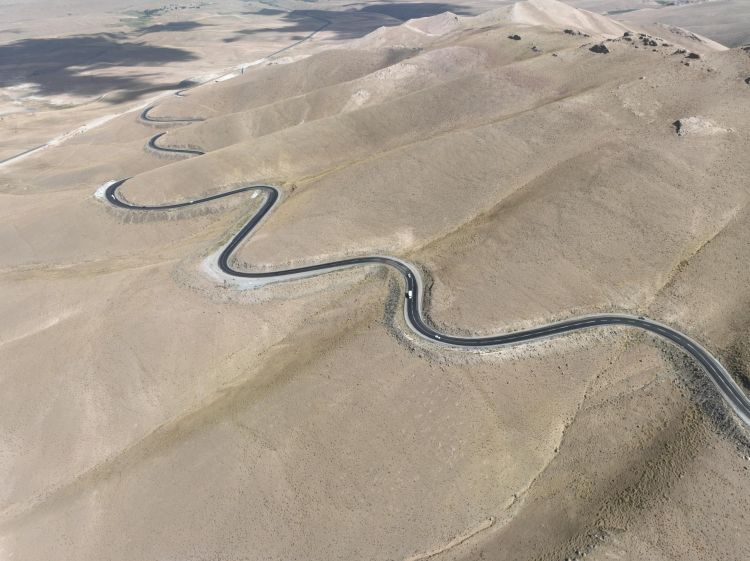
(627, 34)
(680, 52)
(514, 37)
(697, 126)
(601, 49)
(627, 38)
(652, 43)
(747, 81)
(569, 31)
(694, 55)
(536, 49)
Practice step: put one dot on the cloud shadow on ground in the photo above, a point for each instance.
(174, 26)
(410, 10)
(304, 21)
(64, 64)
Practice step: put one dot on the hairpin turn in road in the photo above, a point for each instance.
(726, 385)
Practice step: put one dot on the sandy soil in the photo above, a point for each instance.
(150, 413)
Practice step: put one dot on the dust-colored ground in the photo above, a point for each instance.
(149, 413)
(65, 66)
(725, 21)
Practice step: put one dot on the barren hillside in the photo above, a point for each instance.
(535, 162)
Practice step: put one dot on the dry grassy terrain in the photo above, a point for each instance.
(151, 413)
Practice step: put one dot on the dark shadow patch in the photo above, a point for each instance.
(704, 393)
(188, 83)
(266, 30)
(242, 32)
(267, 12)
(65, 65)
(300, 23)
(310, 20)
(174, 26)
(411, 10)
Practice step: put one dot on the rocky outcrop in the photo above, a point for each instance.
(697, 126)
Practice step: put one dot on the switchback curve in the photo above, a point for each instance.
(145, 117)
(726, 385)
(152, 144)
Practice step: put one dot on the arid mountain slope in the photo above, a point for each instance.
(153, 413)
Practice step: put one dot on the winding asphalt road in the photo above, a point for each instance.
(145, 117)
(726, 385)
(152, 144)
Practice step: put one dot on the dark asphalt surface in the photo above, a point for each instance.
(145, 117)
(412, 308)
(726, 385)
(22, 153)
(152, 144)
